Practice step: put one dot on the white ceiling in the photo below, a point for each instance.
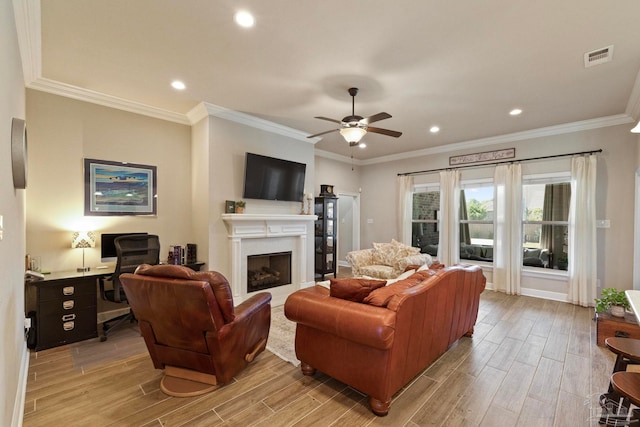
(461, 65)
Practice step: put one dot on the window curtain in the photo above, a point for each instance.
(404, 206)
(507, 241)
(465, 236)
(555, 208)
(582, 231)
(449, 245)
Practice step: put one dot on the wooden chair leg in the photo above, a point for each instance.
(379, 407)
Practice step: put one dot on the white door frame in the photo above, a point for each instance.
(636, 235)
(355, 237)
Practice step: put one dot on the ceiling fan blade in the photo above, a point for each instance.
(387, 132)
(328, 119)
(375, 118)
(322, 133)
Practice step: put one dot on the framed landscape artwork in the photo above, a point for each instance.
(119, 188)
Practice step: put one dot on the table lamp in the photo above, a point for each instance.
(83, 239)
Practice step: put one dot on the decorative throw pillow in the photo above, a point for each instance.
(353, 289)
(384, 253)
(381, 297)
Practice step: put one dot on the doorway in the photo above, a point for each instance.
(348, 225)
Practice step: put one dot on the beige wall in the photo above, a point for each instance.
(14, 357)
(62, 132)
(228, 143)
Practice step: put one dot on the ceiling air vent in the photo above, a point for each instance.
(598, 56)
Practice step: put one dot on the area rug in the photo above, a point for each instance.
(281, 336)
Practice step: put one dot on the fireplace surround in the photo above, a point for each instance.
(257, 234)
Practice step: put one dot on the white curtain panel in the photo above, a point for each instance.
(507, 239)
(449, 243)
(582, 231)
(404, 205)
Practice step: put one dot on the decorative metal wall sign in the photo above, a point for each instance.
(508, 153)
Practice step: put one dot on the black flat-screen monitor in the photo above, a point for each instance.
(108, 246)
(269, 178)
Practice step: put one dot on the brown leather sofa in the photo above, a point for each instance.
(377, 349)
(191, 327)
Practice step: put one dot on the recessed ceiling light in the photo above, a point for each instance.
(178, 85)
(515, 112)
(434, 129)
(362, 145)
(244, 19)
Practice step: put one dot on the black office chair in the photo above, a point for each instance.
(131, 250)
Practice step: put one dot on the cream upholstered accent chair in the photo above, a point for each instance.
(386, 260)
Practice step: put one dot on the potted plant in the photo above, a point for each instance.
(613, 299)
(240, 206)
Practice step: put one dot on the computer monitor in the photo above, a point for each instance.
(108, 246)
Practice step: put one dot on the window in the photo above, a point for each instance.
(476, 221)
(545, 215)
(424, 219)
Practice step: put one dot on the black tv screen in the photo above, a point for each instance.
(269, 178)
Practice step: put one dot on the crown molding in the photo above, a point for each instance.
(633, 105)
(87, 95)
(205, 109)
(28, 28)
(602, 122)
(337, 157)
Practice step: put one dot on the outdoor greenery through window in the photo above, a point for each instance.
(545, 215)
(476, 222)
(424, 220)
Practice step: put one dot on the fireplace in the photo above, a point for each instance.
(259, 234)
(266, 271)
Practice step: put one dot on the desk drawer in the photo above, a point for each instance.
(63, 289)
(70, 304)
(59, 329)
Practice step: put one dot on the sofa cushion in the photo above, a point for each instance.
(353, 289)
(381, 297)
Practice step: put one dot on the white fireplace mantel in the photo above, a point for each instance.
(251, 234)
(261, 225)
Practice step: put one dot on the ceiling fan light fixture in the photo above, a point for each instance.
(353, 134)
(636, 129)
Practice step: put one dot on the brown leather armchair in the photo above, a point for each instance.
(191, 327)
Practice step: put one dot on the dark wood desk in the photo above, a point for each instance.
(63, 307)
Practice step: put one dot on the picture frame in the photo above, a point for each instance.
(230, 206)
(119, 188)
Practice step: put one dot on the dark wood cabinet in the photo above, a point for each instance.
(326, 236)
(63, 309)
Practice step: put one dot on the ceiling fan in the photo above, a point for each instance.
(353, 127)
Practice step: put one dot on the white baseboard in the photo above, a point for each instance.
(554, 296)
(536, 293)
(18, 407)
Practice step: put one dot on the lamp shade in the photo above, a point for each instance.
(636, 129)
(353, 134)
(83, 239)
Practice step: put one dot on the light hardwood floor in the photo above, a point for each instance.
(531, 362)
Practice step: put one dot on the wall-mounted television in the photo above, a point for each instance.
(269, 178)
(108, 246)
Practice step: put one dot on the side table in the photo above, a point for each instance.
(611, 326)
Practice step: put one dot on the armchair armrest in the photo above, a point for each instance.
(358, 259)
(362, 323)
(419, 260)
